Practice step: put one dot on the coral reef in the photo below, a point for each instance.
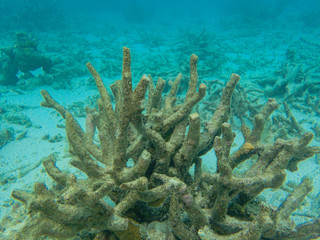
(23, 57)
(159, 197)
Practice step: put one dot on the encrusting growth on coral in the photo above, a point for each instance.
(159, 197)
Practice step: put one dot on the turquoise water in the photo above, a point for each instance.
(272, 45)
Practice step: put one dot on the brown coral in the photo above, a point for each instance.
(164, 140)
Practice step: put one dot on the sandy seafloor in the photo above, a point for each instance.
(251, 52)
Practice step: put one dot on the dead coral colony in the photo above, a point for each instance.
(158, 198)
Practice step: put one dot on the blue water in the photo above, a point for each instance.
(273, 45)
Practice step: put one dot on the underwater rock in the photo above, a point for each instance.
(22, 135)
(6, 136)
(164, 140)
(23, 57)
(54, 139)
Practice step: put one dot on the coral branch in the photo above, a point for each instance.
(142, 161)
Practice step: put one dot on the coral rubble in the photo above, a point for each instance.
(159, 196)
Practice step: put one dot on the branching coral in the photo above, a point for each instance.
(164, 139)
